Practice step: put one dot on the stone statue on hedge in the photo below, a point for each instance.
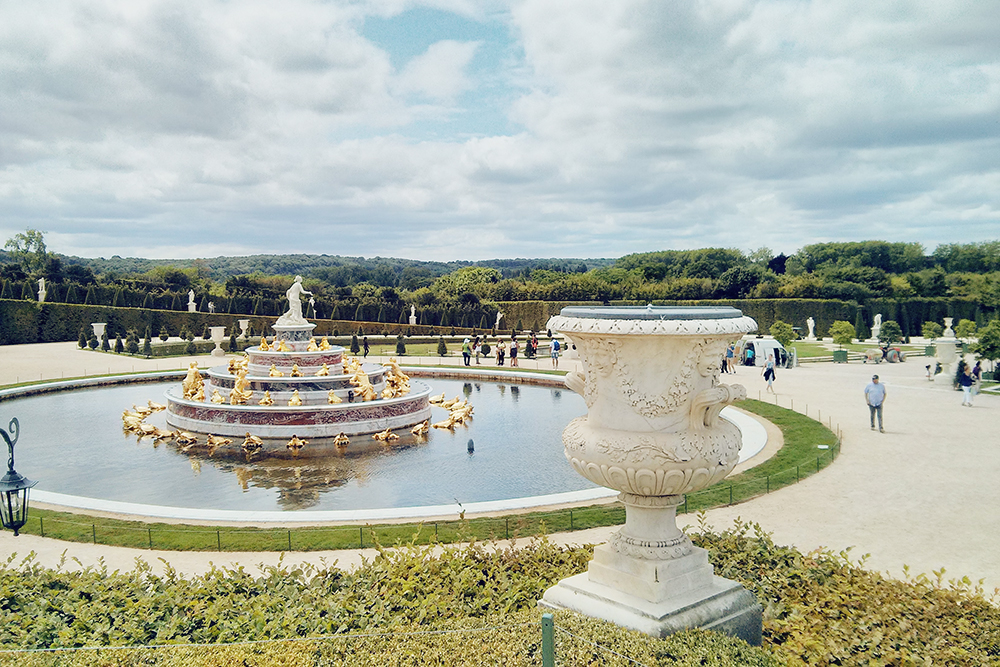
(41, 290)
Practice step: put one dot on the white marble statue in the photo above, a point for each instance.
(192, 306)
(41, 290)
(811, 323)
(294, 313)
(876, 326)
(211, 306)
(496, 325)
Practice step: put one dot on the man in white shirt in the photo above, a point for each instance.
(875, 396)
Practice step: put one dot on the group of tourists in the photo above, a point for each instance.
(474, 348)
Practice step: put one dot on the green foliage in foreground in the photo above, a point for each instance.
(476, 605)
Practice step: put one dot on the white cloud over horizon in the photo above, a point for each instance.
(192, 129)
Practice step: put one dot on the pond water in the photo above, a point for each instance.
(73, 443)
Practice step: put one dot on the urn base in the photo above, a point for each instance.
(659, 597)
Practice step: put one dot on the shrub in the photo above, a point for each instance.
(82, 342)
(890, 332)
(931, 330)
(842, 332)
(105, 345)
(164, 334)
(119, 346)
(355, 346)
(400, 344)
(191, 348)
(206, 334)
(782, 332)
(132, 342)
(147, 344)
(442, 348)
(485, 348)
(93, 343)
(966, 330)
(233, 346)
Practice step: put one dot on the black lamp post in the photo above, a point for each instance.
(13, 487)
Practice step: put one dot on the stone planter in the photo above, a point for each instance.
(840, 356)
(653, 432)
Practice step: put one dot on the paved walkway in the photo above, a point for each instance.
(923, 494)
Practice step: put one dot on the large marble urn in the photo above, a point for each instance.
(653, 432)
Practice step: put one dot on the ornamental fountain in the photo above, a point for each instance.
(652, 432)
(296, 388)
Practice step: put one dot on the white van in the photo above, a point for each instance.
(762, 347)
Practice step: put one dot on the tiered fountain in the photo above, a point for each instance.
(326, 405)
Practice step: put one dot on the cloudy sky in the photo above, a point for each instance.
(454, 129)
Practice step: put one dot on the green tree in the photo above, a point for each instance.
(860, 328)
(890, 332)
(988, 345)
(442, 347)
(132, 342)
(355, 345)
(105, 345)
(966, 330)
(782, 332)
(931, 330)
(82, 342)
(232, 340)
(400, 344)
(92, 342)
(27, 250)
(147, 343)
(164, 334)
(119, 346)
(191, 348)
(842, 332)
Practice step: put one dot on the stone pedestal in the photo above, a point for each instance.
(244, 325)
(98, 328)
(946, 353)
(295, 335)
(652, 431)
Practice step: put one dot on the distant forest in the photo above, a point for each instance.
(848, 271)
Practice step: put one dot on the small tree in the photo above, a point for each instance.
(966, 330)
(191, 348)
(988, 345)
(890, 332)
(485, 348)
(442, 348)
(842, 332)
(782, 332)
(92, 342)
(132, 342)
(147, 344)
(400, 344)
(82, 342)
(931, 330)
(164, 334)
(860, 328)
(355, 345)
(119, 346)
(105, 345)
(232, 340)
(206, 334)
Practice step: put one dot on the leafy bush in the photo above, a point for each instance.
(782, 332)
(931, 330)
(82, 342)
(842, 332)
(400, 345)
(164, 334)
(442, 348)
(890, 332)
(355, 346)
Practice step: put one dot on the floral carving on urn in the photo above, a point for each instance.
(651, 384)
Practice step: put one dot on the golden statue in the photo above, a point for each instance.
(192, 382)
(155, 407)
(385, 436)
(295, 444)
(216, 441)
(199, 394)
(188, 440)
(295, 400)
(217, 397)
(241, 392)
(332, 398)
(323, 372)
(296, 373)
(421, 428)
(324, 344)
(341, 440)
(448, 423)
(264, 347)
(312, 347)
(280, 346)
(436, 400)
(234, 365)
(251, 445)
(275, 373)
(267, 400)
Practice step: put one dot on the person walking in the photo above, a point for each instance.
(769, 373)
(477, 348)
(513, 352)
(977, 377)
(555, 353)
(466, 352)
(875, 396)
(501, 351)
(965, 380)
(730, 358)
(364, 344)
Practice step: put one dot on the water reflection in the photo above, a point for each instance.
(513, 448)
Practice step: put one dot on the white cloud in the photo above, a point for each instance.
(160, 128)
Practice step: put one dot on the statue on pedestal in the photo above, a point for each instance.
(192, 306)
(41, 290)
(496, 325)
(876, 326)
(413, 314)
(294, 313)
(811, 323)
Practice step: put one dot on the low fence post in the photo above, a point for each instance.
(93, 532)
(571, 519)
(218, 539)
(41, 525)
(548, 641)
(149, 532)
